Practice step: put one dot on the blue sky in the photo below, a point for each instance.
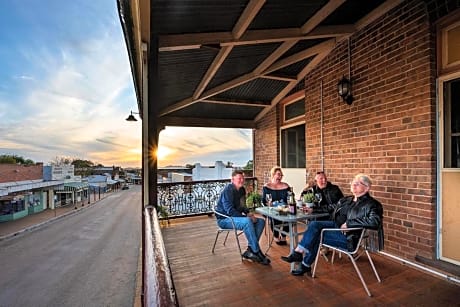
(66, 88)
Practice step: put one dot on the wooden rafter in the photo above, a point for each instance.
(288, 37)
(242, 24)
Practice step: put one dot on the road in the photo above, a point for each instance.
(89, 258)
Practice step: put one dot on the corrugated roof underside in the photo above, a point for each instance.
(218, 111)
(180, 72)
(351, 11)
(179, 16)
(285, 14)
(259, 90)
(241, 60)
(302, 45)
(294, 69)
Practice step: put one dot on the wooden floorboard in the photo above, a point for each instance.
(222, 279)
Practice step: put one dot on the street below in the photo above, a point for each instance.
(89, 258)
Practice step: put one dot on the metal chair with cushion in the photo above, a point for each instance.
(227, 231)
(365, 244)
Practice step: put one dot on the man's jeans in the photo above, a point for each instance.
(310, 240)
(251, 230)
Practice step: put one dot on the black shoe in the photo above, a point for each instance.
(293, 257)
(248, 254)
(263, 258)
(302, 270)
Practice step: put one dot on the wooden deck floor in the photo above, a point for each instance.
(221, 279)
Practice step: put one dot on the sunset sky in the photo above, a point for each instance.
(66, 89)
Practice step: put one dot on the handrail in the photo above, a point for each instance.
(158, 284)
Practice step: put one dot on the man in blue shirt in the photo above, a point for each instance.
(231, 203)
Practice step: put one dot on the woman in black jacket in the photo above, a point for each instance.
(358, 210)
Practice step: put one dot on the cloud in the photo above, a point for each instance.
(206, 145)
(78, 94)
(66, 88)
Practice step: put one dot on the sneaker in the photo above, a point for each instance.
(302, 270)
(293, 257)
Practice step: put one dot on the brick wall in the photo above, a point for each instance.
(389, 132)
(266, 146)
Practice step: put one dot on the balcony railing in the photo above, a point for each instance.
(180, 199)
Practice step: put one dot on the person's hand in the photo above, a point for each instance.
(344, 227)
(252, 217)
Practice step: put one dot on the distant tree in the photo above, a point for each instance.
(229, 164)
(61, 161)
(82, 167)
(80, 163)
(249, 165)
(192, 166)
(7, 159)
(14, 159)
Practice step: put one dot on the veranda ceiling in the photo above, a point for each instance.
(227, 63)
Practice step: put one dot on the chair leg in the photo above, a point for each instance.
(215, 241)
(316, 260)
(226, 236)
(238, 242)
(359, 274)
(373, 266)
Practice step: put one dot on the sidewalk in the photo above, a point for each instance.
(29, 222)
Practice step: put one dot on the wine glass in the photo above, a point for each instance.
(319, 197)
(269, 199)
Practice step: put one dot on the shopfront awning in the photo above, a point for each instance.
(73, 187)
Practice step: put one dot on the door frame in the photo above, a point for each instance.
(440, 161)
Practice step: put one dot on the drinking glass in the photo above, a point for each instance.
(269, 199)
(319, 197)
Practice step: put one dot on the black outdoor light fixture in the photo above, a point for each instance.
(344, 85)
(131, 117)
(344, 88)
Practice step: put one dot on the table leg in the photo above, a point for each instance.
(269, 234)
(292, 240)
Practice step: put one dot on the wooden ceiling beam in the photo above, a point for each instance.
(197, 40)
(301, 55)
(279, 78)
(322, 14)
(241, 25)
(376, 13)
(246, 103)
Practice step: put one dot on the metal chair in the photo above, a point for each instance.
(227, 231)
(363, 246)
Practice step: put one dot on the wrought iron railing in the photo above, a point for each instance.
(180, 199)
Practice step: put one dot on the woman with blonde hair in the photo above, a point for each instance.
(279, 192)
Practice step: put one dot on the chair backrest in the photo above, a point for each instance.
(371, 240)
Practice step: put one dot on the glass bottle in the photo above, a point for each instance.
(291, 202)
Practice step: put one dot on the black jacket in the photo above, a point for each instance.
(366, 212)
(331, 194)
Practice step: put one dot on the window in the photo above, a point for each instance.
(451, 118)
(293, 110)
(293, 147)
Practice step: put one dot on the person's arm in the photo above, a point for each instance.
(372, 219)
(264, 198)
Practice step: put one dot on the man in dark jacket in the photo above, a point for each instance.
(358, 210)
(326, 193)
